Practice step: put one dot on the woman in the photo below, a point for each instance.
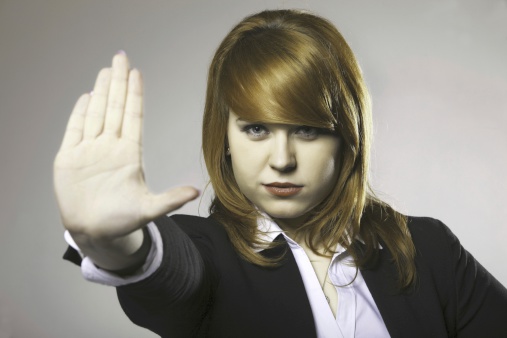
(295, 245)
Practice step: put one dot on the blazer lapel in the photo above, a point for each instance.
(296, 310)
(395, 309)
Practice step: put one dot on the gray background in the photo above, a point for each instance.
(437, 71)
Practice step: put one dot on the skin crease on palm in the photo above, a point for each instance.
(266, 153)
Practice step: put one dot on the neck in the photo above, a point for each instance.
(290, 225)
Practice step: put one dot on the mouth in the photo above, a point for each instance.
(284, 189)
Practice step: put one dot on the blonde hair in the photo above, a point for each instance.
(293, 67)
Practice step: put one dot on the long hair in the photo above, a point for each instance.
(287, 66)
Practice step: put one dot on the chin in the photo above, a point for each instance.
(285, 214)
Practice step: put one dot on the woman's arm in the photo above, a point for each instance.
(174, 300)
(98, 176)
(481, 301)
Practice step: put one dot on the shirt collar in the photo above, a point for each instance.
(269, 230)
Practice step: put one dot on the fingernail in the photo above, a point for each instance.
(121, 51)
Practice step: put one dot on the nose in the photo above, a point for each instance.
(282, 157)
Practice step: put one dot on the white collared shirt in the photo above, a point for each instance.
(357, 314)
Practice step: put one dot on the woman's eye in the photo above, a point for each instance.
(255, 130)
(307, 132)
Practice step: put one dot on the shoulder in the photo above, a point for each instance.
(430, 233)
(425, 225)
(192, 225)
(474, 300)
(201, 230)
(437, 248)
(439, 254)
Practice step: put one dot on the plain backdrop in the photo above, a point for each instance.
(437, 72)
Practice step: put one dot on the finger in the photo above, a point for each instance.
(94, 120)
(117, 94)
(133, 118)
(171, 200)
(74, 131)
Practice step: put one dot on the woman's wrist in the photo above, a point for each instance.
(117, 255)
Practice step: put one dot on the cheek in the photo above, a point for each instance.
(246, 164)
(330, 170)
(247, 159)
(321, 163)
(325, 174)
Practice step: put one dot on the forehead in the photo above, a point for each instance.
(233, 117)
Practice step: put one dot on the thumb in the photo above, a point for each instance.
(173, 199)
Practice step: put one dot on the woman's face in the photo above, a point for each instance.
(285, 170)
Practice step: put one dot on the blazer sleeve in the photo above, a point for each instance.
(472, 301)
(481, 301)
(174, 300)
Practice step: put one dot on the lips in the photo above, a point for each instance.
(283, 189)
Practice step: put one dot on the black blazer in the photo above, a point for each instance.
(204, 289)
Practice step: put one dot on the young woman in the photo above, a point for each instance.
(296, 245)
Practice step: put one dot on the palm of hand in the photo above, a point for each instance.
(100, 183)
(98, 176)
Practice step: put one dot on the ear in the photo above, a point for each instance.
(226, 147)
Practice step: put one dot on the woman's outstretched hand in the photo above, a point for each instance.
(98, 175)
